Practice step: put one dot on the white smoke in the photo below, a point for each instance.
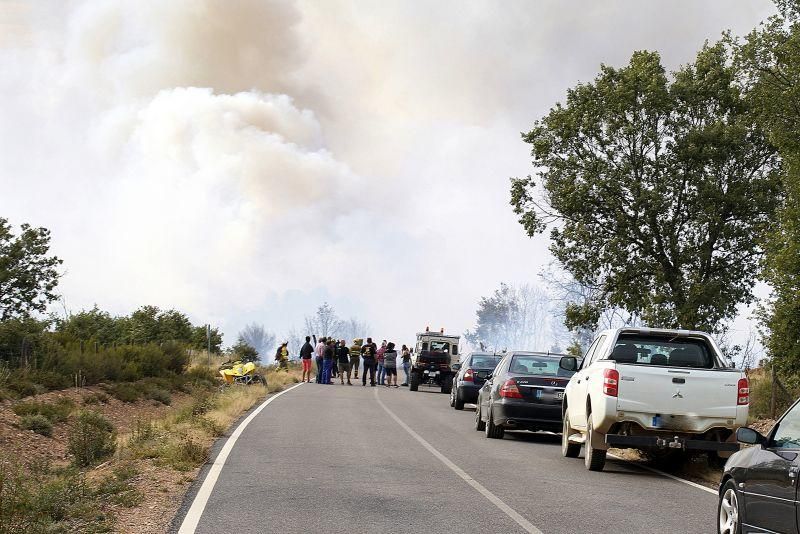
(244, 160)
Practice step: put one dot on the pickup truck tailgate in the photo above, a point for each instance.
(677, 391)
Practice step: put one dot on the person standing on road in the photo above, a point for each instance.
(355, 356)
(320, 352)
(381, 370)
(343, 362)
(305, 356)
(327, 362)
(368, 353)
(406, 354)
(390, 365)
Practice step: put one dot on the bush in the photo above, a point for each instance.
(201, 376)
(38, 423)
(183, 456)
(126, 392)
(95, 398)
(23, 388)
(160, 395)
(56, 412)
(91, 438)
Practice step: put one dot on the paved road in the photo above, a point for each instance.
(332, 459)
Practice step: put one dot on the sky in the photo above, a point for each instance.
(245, 161)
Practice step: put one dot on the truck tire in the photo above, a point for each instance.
(594, 459)
(447, 384)
(413, 382)
(568, 449)
(480, 426)
(459, 402)
(493, 431)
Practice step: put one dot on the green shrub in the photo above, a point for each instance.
(201, 376)
(91, 438)
(23, 387)
(118, 488)
(51, 380)
(182, 456)
(38, 423)
(125, 391)
(160, 395)
(56, 412)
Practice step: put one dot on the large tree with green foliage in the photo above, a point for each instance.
(28, 273)
(656, 188)
(769, 62)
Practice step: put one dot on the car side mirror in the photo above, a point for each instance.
(568, 363)
(749, 436)
(456, 366)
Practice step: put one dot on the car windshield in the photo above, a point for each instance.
(487, 361)
(660, 350)
(537, 364)
(440, 346)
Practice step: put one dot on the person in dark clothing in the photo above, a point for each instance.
(306, 351)
(327, 362)
(368, 353)
(343, 361)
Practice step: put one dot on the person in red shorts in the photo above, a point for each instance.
(305, 356)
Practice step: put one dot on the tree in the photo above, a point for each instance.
(324, 323)
(514, 317)
(28, 275)
(769, 62)
(656, 189)
(257, 337)
(200, 341)
(94, 324)
(354, 329)
(244, 352)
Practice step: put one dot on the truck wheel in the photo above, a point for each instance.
(413, 382)
(447, 384)
(568, 449)
(595, 459)
(459, 402)
(493, 431)
(480, 426)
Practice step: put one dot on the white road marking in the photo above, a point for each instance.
(526, 525)
(663, 474)
(192, 518)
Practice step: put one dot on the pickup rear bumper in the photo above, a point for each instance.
(676, 442)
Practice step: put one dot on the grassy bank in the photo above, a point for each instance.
(139, 474)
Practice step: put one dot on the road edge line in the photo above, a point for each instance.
(526, 525)
(663, 474)
(192, 517)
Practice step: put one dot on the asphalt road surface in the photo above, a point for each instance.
(353, 459)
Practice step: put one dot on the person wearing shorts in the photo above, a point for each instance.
(343, 361)
(390, 365)
(305, 356)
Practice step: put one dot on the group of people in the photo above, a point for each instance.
(335, 359)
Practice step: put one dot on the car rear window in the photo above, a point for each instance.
(485, 362)
(535, 364)
(660, 350)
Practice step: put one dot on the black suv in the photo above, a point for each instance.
(471, 374)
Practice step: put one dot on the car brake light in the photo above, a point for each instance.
(611, 382)
(510, 390)
(468, 376)
(744, 392)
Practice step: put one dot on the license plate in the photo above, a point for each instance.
(559, 395)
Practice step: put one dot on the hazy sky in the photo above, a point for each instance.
(246, 160)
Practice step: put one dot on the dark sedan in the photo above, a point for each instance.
(524, 393)
(758, 492)
(470, 376)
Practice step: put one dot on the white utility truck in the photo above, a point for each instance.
(655, 390)
(432, 359)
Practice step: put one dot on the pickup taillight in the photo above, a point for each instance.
(743, 389)
(611, 382)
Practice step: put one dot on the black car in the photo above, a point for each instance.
(524, 393)
(472, 373)
(758, 492)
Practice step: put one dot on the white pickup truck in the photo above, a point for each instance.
(652, 389)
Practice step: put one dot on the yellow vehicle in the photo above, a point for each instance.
(241, 373)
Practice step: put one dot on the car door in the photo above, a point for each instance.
(580, 384)
(490, 388)
(770, 486)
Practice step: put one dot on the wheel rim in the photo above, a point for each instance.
(729, 512)
(565, 433)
